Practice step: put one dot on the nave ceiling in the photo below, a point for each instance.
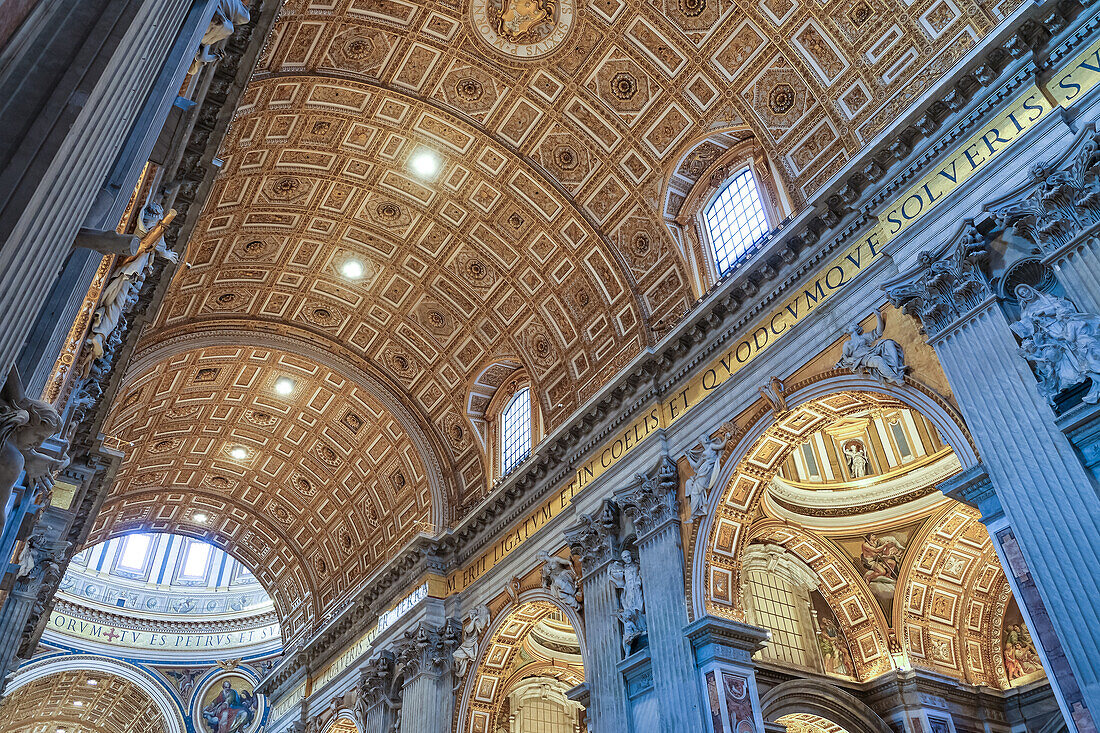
(566, 145)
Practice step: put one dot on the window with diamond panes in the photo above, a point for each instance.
(515, 431)
(736, 221)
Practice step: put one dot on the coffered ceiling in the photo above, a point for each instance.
(65, 701)
(566, 135)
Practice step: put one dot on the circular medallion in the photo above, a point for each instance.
(228, 703)
(523, 29)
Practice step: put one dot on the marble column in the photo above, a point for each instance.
(1049, 498)
(379, 697)
(596, 541)
(424, 661)
(653, 507)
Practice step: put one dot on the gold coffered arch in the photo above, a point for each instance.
(329, 486)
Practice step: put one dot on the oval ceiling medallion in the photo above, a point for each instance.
(523, 29)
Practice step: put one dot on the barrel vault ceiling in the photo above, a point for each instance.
(567, 135)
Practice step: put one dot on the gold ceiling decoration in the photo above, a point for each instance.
(535, 234)
(66, 700)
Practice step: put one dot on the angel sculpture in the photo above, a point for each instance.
(121, 292)
(558, 577)
(625, 575)
(704, 463)
(1062, 342)
(25, 424)
(864, 353)
(472, 629)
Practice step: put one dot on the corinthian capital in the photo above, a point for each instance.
(595, 539)
(1061, 198)
(427, 649)
(376, 680)
(946, 283)
(652, 500)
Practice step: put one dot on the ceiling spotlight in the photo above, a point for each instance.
(93, 683)
(199, 517)
(284, 386)
(238, 454)
(78, 703)
(352, 269)
(425, 164)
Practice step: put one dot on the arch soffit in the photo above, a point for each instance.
(155, 689)
(289, 610)
(537, 595)
(913, 394)
(166, 344)
(953, 578)
(823, 699)
(860, 616)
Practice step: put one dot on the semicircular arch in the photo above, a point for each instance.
(543, 603)
(722, 528)
(822, 699)
(155, 690)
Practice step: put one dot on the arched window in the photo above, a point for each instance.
(515, 431)
(736, 221)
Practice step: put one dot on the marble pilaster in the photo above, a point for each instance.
(726, 673)
(596, 541)
(1049, 498)
(424, 660)
(653, 507)
(379, 699)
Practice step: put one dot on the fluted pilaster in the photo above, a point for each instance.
(595, 540)
(653, 507)
(1047, 495)
(424, 661)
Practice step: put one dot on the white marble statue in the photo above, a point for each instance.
(229, 15)
(1062, 342)
(856, 456)
(25, 424)
(558, 577)
(126, 280)
(704, 462)
(865, 353)
(625, 575)
(472, 629)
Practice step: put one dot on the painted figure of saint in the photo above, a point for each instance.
(231, 711)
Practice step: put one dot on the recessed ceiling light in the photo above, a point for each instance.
(352, 269)
(284, 385)
(78, 703)
(238, 454)
(425, 163)
(199, 517)
(93, 683)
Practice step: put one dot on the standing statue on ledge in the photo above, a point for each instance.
(227, 18)
(129, 275)
(1062, 342)
(627, 577)
(25, 424)
(865, 354)
(472, 629)
(704, 463)
(558, 577)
